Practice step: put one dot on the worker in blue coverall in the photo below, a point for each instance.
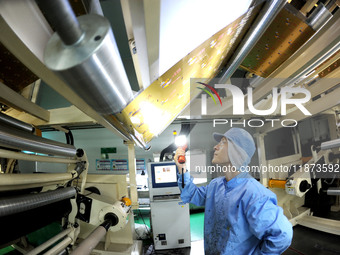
(241, 215)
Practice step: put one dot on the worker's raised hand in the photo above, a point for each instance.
(180, 152)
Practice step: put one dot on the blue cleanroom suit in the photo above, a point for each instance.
(241, 215)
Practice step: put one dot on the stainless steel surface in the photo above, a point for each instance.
(333, 191)
(319, 17)
(15, 123)
(13, 205)
(268, 13)
(92, 68)
(21, 140)
(90, 242)
(61, 17)
(49, 242)
(330, 144)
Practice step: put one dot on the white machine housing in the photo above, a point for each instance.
(170, 219)
(170, 224)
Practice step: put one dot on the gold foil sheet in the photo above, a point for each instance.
(160, 103)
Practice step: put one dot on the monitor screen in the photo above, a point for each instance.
(163, 174)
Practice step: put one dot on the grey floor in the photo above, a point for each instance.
(312, 242)
(306, 241)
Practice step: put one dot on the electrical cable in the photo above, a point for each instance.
(296, 251)
(147, 230)
(182, 178)
(67, 138)
(71, 137)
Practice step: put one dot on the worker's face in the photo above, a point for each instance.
(221, 156)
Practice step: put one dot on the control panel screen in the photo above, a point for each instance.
(165, 174)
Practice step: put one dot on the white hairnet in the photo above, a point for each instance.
(241, 146)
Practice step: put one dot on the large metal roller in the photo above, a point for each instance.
(20, 224)
(21, 140)
(25, 181)
(91, 66)
(13, 205)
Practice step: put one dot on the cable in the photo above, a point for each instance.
(71, 137)
(182, 178)
(67, 138)
(147, 230)
(296, 251)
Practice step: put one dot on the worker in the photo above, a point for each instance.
(241, 215)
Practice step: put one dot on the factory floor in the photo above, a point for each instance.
(306, 241)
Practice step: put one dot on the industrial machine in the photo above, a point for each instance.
(309, 184)
(30, 201)
(105, 197)
(170, 220)
(72, 48)
(93, 211)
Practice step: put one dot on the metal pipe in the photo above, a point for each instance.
(90, 242)
(49, 242)
(59, 247)
(22, 181)
(21, 140)
(333, 191)
(61, 17)
(319, 17)
(267, 15)
(8, 120)
(13, 205)
(330, 144)
(31, 157)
